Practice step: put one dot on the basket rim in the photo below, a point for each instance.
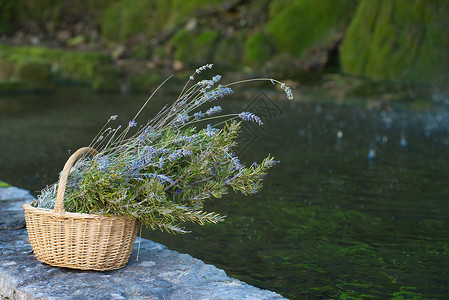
(51, 213)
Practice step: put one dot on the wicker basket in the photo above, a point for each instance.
(75, 240)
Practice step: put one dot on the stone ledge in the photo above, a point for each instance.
(11, 213)
(159, 273)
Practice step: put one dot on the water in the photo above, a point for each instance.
(330, 222)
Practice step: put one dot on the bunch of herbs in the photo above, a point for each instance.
(163, 173)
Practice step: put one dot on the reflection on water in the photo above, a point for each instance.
(329, 222)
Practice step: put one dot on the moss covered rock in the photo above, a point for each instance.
(4, 184)
(145, 83)
(106, 79)
(195, 48)
(9, 11)
(297, 25)
(41, 66)
(402, 40)
(230, 51)
(127, 18)
(34, 70)
(22, 73)
(259, 47)
(124, 19)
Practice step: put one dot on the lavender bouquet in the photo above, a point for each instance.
(161, 172)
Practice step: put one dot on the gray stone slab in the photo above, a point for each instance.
(159, 273)
(12, 220)
(15, 194)
(11, 213)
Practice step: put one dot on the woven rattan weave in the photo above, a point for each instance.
(75, 240)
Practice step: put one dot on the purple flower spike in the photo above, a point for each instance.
(247, 116)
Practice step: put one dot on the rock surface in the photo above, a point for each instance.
(157, 273)
(402, 41)
(11, 201)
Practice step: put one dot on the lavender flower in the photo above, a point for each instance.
(220, 92)
(198, 115)
(216, 78)
(132, 123)
(113, 118)
(207, 84)
(287, 90)
(135, 167)
(179, 153)
(186, 152)
(273, 162)
(149, 153)
(289, 93)
(202, 100)
(200, 69)
(236, 163)
(186, 139)
(175, 155)
(214, 110)
(103, 162)
(247, 116)
(210, 131)
(161, 162)
(160, 177)
(182, 119)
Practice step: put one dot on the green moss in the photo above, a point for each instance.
(181, 41)
(110, 22)
(258, 49)
(127, 18)
(182, 10)
(24, 73)
(37, 68)
(194, 48)
(229, 51)
(106, 79)
(4, 184)
(354, 51)
(34, 70)
(144, 83)
(99, 5)
(298, 25)
(7, 66)
(66, 65)
(9, 11)
(398, 40)
(10, 86)
(134, 18)
(204, 46)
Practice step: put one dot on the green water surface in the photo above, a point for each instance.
(329, 223)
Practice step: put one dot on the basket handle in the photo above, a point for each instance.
(59, 204)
